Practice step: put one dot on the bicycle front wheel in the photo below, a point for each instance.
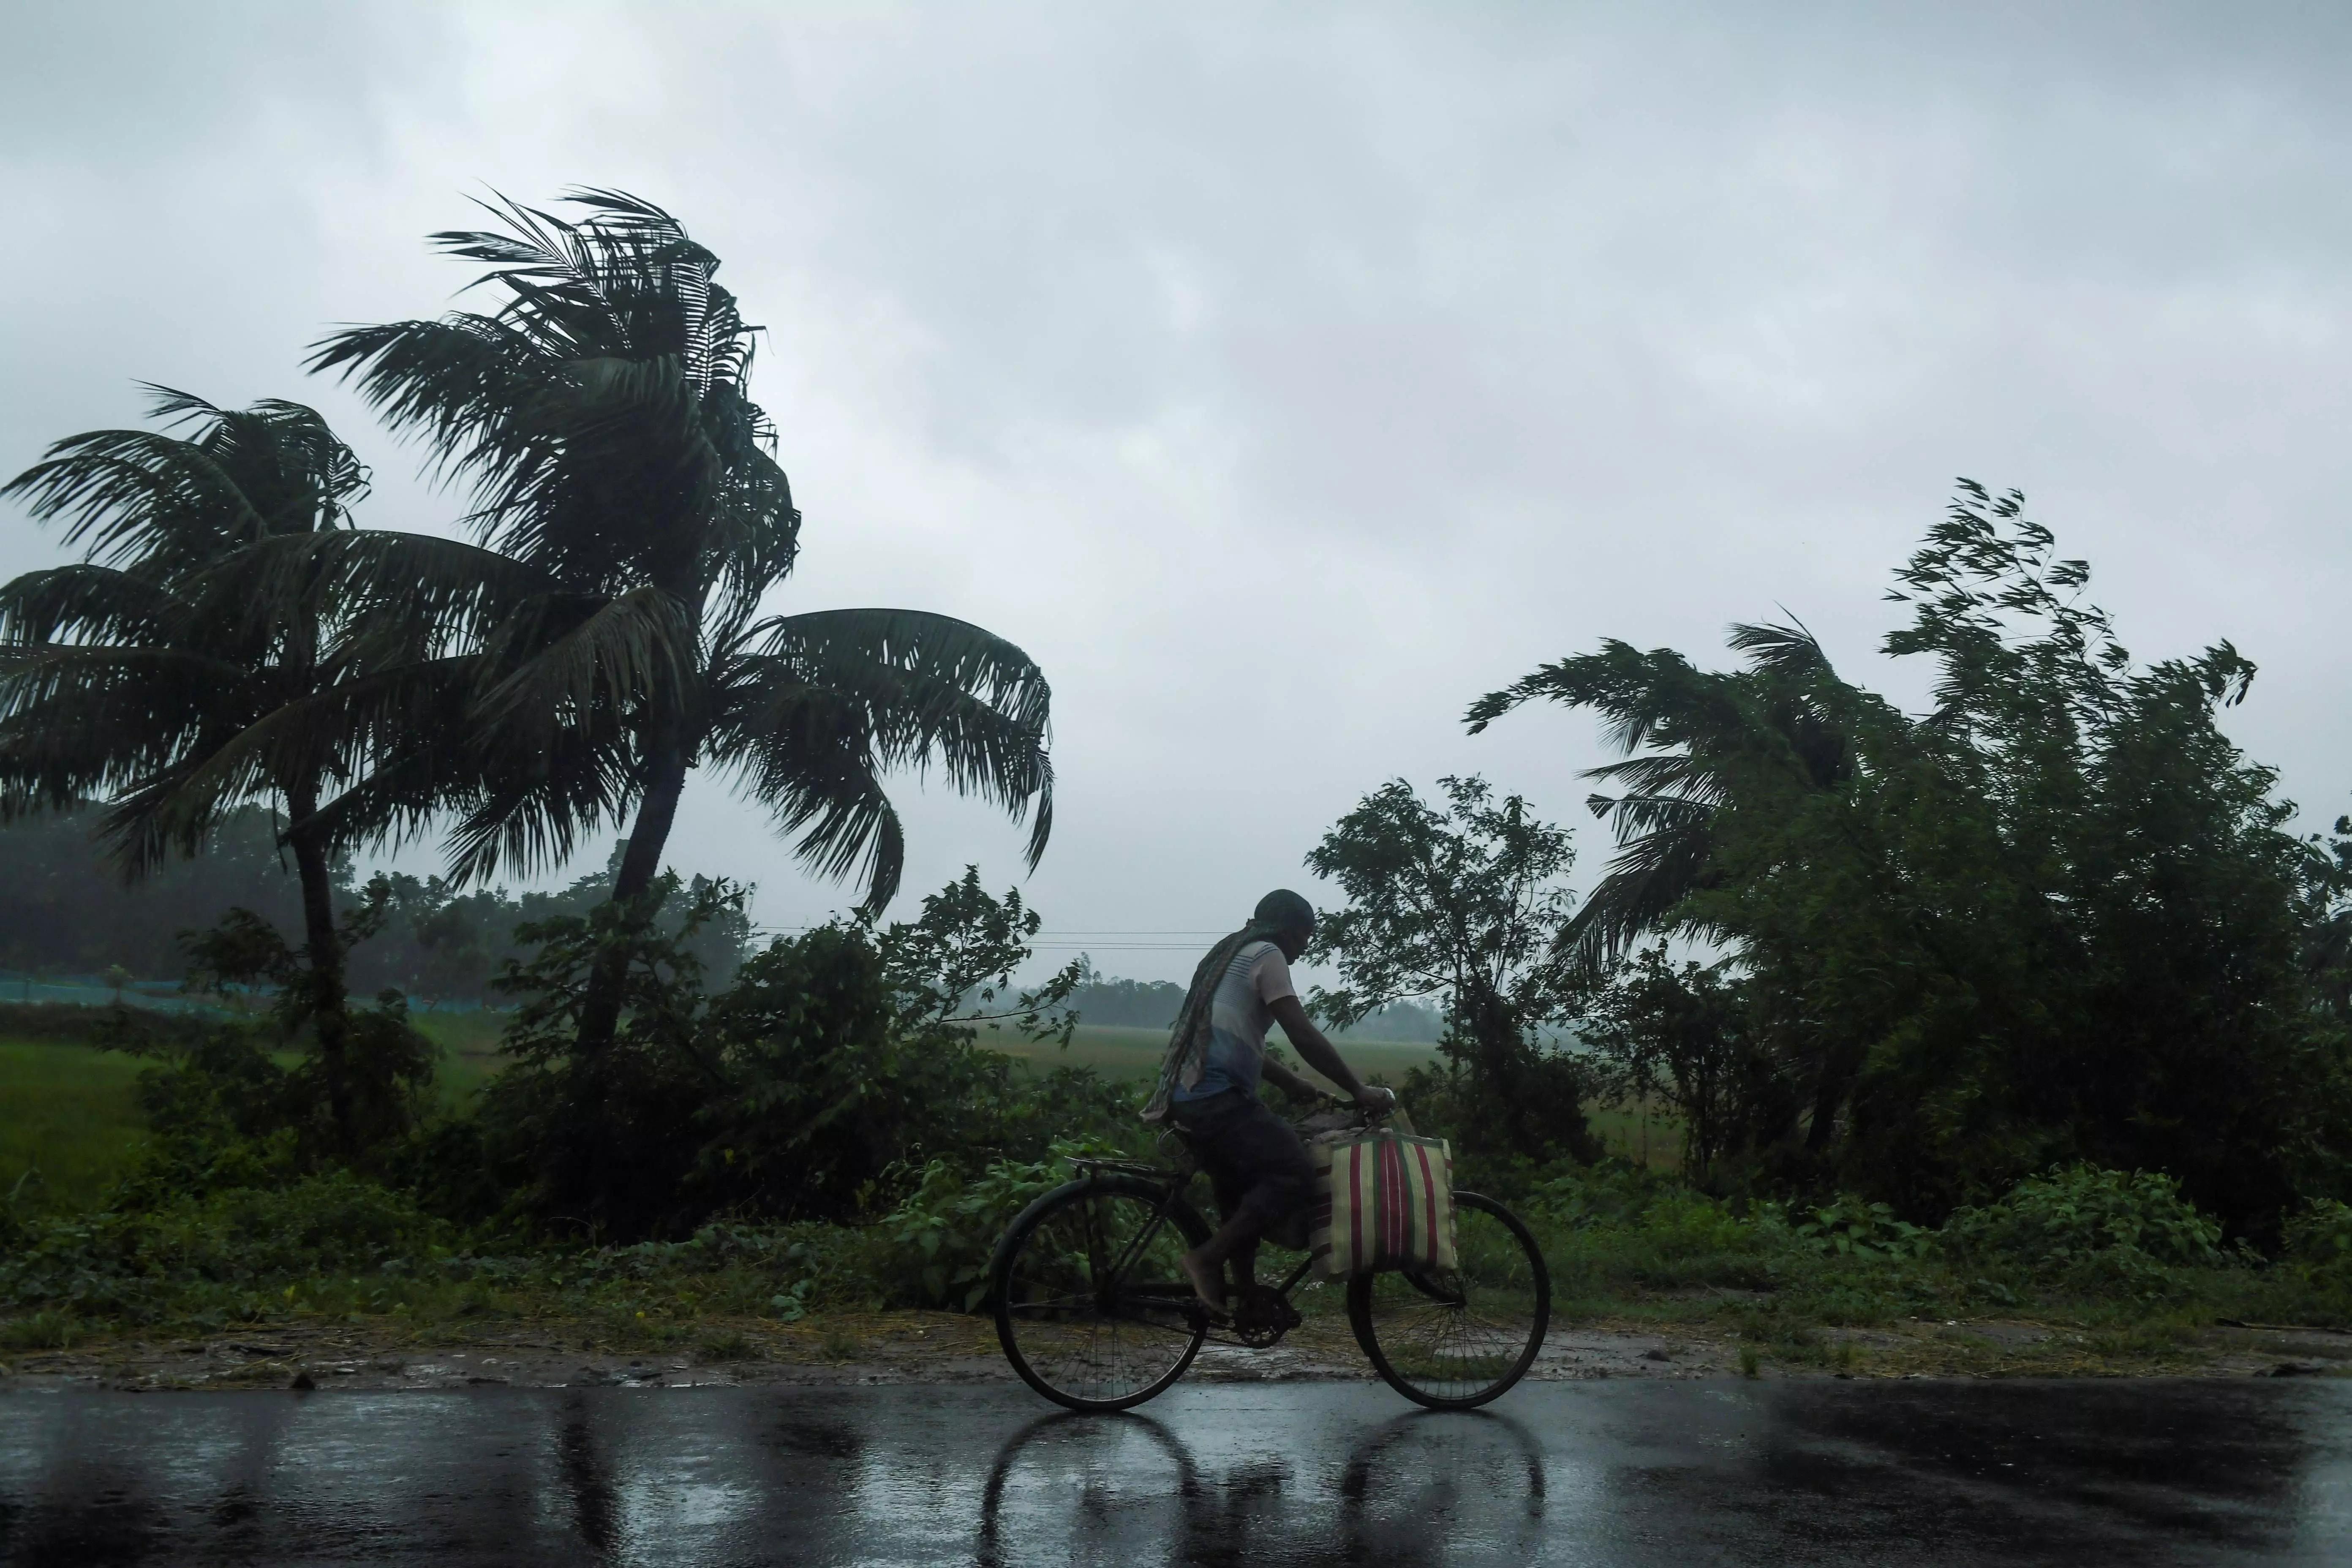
(1091, 1308)
(1457, 1340)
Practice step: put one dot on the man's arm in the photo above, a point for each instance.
(1290, 1083)
(1318, 1053)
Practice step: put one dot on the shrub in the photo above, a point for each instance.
(2085, 1215)
(2320, 1239)
(1613, 1224)
(805, 1090)
(40, 1331)
(1849, 1228)
(941, 1238)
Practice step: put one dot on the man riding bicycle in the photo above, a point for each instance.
(1207, 1087)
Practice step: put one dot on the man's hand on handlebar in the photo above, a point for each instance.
(1373, 1102)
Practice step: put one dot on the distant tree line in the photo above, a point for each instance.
(1151, 1004)
(67, 910)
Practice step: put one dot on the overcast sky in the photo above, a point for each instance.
(1283, 378)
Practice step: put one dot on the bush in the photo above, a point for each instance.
(1613, 1224)
(222, 1094)
(2320, 1239)
(2084, 1215)
(228, 1244)
(941, 1238)
(1849, 1228)
(807, 1089)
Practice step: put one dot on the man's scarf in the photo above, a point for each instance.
(1187, 1042)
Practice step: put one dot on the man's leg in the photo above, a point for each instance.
(1263, 1160)
(1204, 1266)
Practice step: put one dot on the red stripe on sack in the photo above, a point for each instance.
(1355, 1206)
(1430, 1179)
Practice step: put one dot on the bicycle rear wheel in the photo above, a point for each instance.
(1455, 1341)
(1091, 1308)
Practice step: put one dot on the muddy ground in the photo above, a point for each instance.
(939, 1347)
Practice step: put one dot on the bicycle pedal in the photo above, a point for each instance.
(1199, 1316)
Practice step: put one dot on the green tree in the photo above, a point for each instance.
(1466, 905)
(145, 675)
(834, 1059)
(2057, 917)
(950, 969)
(632, 519)
(1696, 1037)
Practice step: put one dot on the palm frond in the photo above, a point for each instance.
(1791, 651)
(1653, 873)
(924, 689)
(636, 648)
(85, 603)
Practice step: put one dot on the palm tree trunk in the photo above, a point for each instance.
(330, 1015)
(600, 1007)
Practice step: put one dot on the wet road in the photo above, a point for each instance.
(1609, 1472)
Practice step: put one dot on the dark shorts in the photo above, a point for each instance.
(1253, 1159)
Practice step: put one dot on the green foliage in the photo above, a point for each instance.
(950, 970)
(1465, 904)
(225, 1094)
(2057, 917)
(941, 1237)
(832, 1065)
(230, 1246)
(2321, 1236)
(2083, 1215)
(2318, 1249)
(1849, 1228)
(1689, 1037)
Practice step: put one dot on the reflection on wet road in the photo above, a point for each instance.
(1613, 1473)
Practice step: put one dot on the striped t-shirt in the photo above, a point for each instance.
(1241, 1010)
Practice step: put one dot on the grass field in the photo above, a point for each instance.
(1129, 1054)
(1641, 1136)
(67, 1110)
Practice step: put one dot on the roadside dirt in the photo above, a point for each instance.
(939, 1347)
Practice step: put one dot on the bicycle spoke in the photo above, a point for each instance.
(1093, 1307)
(1461, 1338)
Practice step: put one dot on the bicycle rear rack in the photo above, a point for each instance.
(1090, 1165)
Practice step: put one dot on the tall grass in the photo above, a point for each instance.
(66, 1112)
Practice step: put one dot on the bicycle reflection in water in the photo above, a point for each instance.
(1425, 1488)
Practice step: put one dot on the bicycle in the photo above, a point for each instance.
(1092, 1312)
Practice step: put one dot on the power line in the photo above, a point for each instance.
(1047, 936)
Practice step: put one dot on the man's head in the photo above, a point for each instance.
(1287, 920)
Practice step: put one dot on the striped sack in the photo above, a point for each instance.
(1385, 1201)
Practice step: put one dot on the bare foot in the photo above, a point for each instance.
(1208, 1280)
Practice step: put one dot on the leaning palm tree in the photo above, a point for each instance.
(630, 519)
(144, 677)
(1706, 737)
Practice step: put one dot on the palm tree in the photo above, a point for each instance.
(148, 677)
(1786, 721)
(631, 519)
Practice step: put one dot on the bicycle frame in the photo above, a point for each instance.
(1172, 1185)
